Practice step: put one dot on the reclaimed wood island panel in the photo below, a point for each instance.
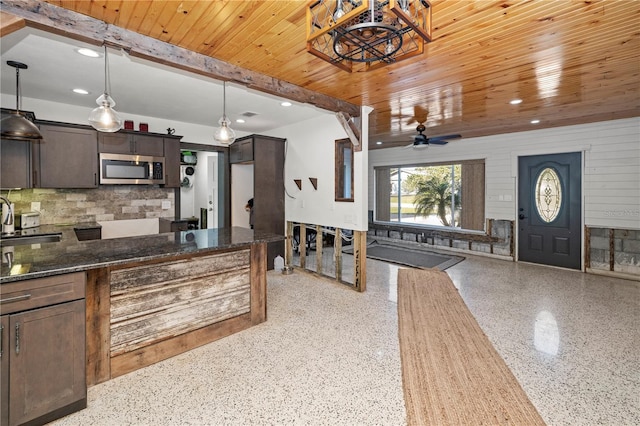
(151, 311)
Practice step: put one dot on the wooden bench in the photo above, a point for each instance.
(451, 373)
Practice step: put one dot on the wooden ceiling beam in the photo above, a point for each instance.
(10, 23)
(48, 17)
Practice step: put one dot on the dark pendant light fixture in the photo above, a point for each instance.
(16, 126)
(224, 134)
(104, 118)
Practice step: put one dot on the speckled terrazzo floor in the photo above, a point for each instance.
(329, 356)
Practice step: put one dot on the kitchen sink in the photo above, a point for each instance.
(15, 240)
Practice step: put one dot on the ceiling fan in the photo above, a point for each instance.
(422, 141)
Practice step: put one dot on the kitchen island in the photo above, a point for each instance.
(152, 297)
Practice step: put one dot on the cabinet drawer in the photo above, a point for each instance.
(31, 294)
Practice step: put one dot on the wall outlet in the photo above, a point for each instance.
(35, 206)
(166, 205)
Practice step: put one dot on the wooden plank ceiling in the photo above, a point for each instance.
(569, 61)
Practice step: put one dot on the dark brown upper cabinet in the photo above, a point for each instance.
(66, 157)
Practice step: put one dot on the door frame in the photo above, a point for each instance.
(515, 155)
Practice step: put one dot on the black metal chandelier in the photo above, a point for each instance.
(374, 32)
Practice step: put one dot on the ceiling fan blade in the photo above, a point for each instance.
(437, 142)
(445, 137)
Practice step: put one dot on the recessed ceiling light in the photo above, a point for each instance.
(88, 52)
(80, 91)
(286, 104)
(240, 120)
(535, 121)
(378, 143)
(515, 101)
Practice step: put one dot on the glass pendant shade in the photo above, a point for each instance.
(104, 118)
(16, 126)
(224, 134)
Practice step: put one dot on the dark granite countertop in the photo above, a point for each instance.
(70, 255)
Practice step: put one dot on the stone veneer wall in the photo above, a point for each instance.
(105, 203)
(614, 250)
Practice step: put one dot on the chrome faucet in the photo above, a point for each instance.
(8, 221)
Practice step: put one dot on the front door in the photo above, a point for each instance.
(549, 209)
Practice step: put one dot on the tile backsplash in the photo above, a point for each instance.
(62, 206)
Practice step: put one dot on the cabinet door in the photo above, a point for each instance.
(15, 164)
(68, 158)
(268, 190)
(47, 366)
(4, 370)
(148, 145)
(171, 163)
(115, 143)
(241, 151)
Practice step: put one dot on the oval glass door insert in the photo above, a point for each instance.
(548, 195)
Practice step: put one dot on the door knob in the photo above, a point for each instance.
(521, 216)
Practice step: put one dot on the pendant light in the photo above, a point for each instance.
(105, 118)
(16, 126)
(224, 134)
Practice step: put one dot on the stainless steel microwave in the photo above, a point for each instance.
(131, 169)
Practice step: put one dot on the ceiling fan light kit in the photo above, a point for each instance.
(373, 32)
(104, 118)
(16, 126)
(421, 141)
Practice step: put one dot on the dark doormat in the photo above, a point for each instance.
(409, 256)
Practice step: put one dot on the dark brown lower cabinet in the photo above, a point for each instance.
(43, 350)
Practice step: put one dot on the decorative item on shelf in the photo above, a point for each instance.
(104, 118)
(144, 127)
(16, 126)
(224, 134)
(298, 183)
(374, 32)
(188, 157)
(171, 131)
(186, 174)
(128, 124)
(314, 182)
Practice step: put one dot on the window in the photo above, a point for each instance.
(548, 195)
(448, 195)
(344, 170)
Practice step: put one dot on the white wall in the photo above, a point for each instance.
(311, 153)
(611, 183)
(241, 192)
(205, 187)
(187, 197)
